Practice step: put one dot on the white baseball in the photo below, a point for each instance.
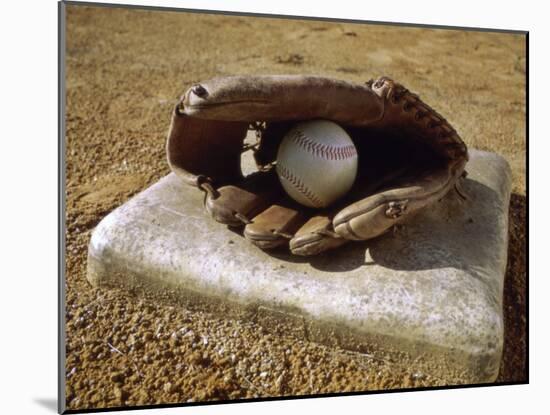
(317, 163)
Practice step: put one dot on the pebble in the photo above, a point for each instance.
(117, 377)
(134, 342)
(143, 397)
(95, 398)
(174, 340)
(168, 387)
(80, 322)
(119, 393)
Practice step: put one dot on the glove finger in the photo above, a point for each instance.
(316, 236)
(374, 215)
(274, 227)
(236, 204)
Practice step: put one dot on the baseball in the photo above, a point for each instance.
(317, 163)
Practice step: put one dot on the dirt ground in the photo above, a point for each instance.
(125, 70)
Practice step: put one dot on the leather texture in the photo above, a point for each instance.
(409, 156)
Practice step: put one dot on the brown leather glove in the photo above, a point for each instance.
(409, 156)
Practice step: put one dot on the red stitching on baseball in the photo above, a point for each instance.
(299, 185)
(323, 150)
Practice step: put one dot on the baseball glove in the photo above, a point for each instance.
(409, 156)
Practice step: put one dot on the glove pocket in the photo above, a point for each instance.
(198, 149)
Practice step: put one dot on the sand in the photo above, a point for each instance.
(126, 69)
